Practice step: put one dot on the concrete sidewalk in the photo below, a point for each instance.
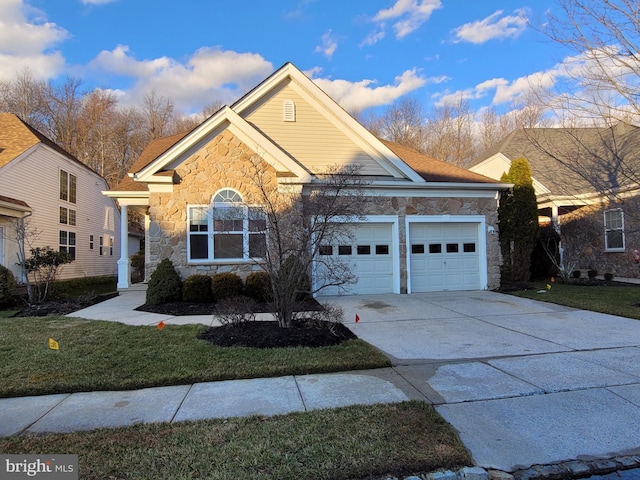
(524, 382)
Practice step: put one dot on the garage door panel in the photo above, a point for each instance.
(444, 256)
(369, 253)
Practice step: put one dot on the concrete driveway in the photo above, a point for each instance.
(524, 382)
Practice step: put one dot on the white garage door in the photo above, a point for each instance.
(444, 256)
(369, 253)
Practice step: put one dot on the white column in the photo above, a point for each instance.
(147, 249)
(124, 277)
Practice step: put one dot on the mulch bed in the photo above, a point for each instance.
(266, 334)
(62, 306)
(271, 335)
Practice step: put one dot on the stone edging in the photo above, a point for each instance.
(564, 470)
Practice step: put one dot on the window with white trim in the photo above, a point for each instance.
(227, 229)
(68, 187)
(614, 230)
(68, 243)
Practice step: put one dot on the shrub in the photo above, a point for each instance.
(197, 288)
(77, 287)
(258, 286)
(236, 310)
(226, 285)
(608, 277)
(164, 285)
(7, 286)
(592, 273)
(576, 274)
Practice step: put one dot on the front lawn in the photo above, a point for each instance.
(100, 355)
(615, 299)
(339, 444)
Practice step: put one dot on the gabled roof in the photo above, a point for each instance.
(574, 161)
(17, 136)
(161, 156)
(433, 170)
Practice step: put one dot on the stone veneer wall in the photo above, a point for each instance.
(223, 164)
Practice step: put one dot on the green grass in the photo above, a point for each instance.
(100, 355)
(615, 300)
(339, 444)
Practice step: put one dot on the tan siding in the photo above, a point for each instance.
(34, 179)
(312, 139)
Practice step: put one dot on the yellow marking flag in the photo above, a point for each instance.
(53, 345)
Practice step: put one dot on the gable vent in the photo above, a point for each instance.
(289, 111)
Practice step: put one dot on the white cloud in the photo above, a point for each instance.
(493, 26)
(37, 39)
(210, 74)
(357, 96)
(328, 46)
(408, 15)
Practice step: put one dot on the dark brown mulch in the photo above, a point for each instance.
(63, 306)
(270, 335)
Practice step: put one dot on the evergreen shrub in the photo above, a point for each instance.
(164, 285)
(7, 286)
(226, 285)
(197, 288)
(258, 286)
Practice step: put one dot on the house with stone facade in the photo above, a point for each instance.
(433, 226)
(60, 200)
(582, 174)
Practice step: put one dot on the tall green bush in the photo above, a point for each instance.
(518, 218)
(164, 285)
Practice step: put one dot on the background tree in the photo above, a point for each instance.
(604, 36)
(402, 123)
(518, 220)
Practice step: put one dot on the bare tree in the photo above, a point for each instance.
(300, 223)
(158, 113)
(603, 34)
(24, 97)
(402, 123)
(449, 133)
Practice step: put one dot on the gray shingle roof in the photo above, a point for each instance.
(572, 161)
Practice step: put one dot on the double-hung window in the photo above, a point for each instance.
(614, 230)
(227, 229)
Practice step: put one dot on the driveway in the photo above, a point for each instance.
(524, 382)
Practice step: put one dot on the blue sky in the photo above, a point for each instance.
(364, 53)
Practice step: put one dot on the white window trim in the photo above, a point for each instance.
(246, 233)
(607, 230)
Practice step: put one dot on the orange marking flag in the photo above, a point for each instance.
(161, 325)
(53, 345)
(357, 318)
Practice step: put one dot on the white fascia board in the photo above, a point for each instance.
(236, 125)
(133, 197)
(264, 147)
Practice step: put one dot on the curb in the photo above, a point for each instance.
(558, 471)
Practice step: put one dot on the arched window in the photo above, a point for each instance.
(227, 229)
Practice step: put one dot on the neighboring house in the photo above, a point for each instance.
(426, 231)
(60, 199)
(588, 173)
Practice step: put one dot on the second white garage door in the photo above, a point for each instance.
(370, 254)
(444, 256)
